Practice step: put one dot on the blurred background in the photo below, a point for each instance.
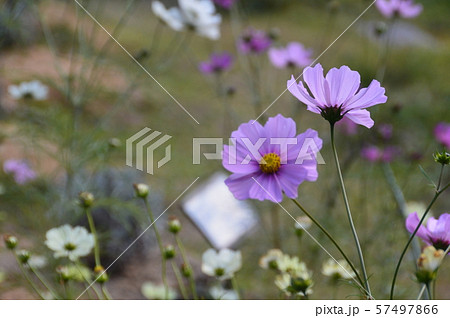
(74, 139)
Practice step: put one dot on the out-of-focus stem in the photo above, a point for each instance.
(161, 247)
(179, 280)
(186, 261)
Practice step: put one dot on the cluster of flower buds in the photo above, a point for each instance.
(442, 157)
(86, 199)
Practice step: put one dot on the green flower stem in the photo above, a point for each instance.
(349, 214)
(25, 274)
(235, 286)
(179, 280)
(186, 261)
(88, 281)
(422, 290)
(94, 232)
(161, 247)
(427, 285)
(44, 282)
(436, 195)
(105, 292)
(331, 239)
(276, 229)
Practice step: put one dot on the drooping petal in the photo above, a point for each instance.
(366, 97)
(411, 223)
(300, 92)
(361, 117)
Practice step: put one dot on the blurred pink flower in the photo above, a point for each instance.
(20, 170)
(226, 4)
(385, 131)
(337, 95)
(436, 233)
(347, 126)
(375, 154)
(403, 8)
(217, 63)
(293, 55)
(442, 134)
(276, 167)
(254, 41)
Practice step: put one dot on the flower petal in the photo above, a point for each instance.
(411, 223)
(366, 97)
(343, 84)
(360, 117)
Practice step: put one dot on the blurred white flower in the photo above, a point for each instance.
(303, 223)
(201, 16)
(293, 286)
(337, 270)
(70, 242)
(197, 15)
(222, 264)
(288, 264)
(37, 261)
(419, 207)
(270, 259)
(34, 89)
(156, 292)
(220, 293)
(172, 17)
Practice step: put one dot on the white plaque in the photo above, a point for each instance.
(221, 218)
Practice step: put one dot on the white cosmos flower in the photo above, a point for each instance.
(270, 259)
(286, 284)
(37, 261)
(339, 269)
(201, 16)
(172, 17)
(70, 242)
(303, 223)
(222, 264)
(157, 292)
(220, 293)
(197, 15)
(34, 89)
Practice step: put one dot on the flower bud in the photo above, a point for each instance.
(428, 263)
(380, 28)
(299, 285)
(442, 157)
(23, 256)
(86, 199)
(63, 273)
(114, 143)
(141, 190)
(101, 275)
(10, 241)
(186, 270)
(174, 225)
(302, 224)
(169, 251)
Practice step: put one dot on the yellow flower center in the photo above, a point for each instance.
(270, 163)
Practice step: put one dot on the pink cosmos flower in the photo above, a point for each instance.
(218, 62)
(403, 8)
(374, 154)
(293, 55)
(279, 162)
(20, 170)
(442, 134)
(436, 233)
(226, 4)
(337, 95)
(254, 41)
